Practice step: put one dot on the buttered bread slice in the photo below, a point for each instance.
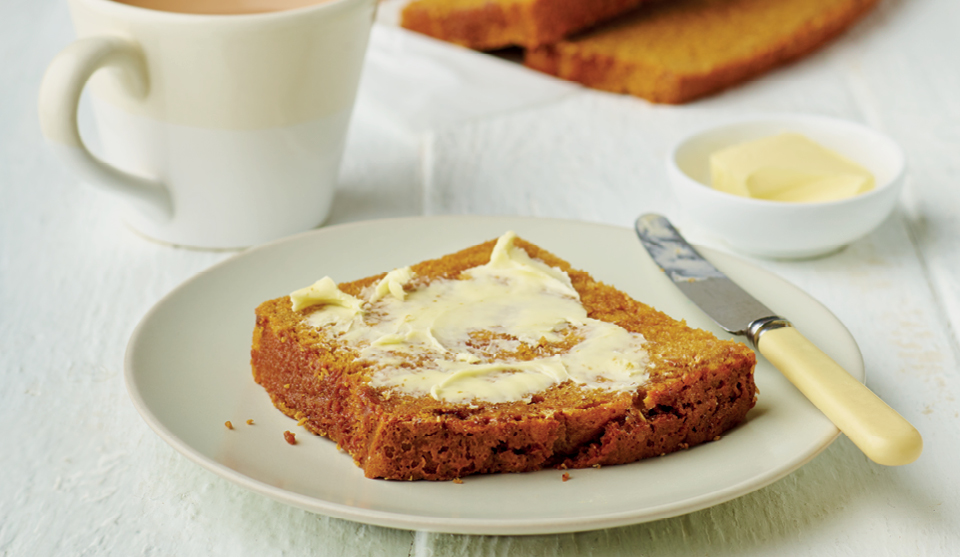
(498, 358)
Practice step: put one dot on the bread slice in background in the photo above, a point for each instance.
(495, 24)
(674, 52)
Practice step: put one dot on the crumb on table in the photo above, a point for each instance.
(457, 481)
(228, 424)
(565, 477)
(250, 421)
(290, 437)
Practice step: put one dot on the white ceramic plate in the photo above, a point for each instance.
(187, 370)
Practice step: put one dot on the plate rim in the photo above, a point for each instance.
(452, 525)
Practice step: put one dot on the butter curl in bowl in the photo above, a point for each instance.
(787, 186)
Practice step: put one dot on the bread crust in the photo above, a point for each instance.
(700, 387)
(496, 24)
(678, 51)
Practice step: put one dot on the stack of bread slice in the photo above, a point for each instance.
(666, 51)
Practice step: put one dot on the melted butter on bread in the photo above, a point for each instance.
(500, 332)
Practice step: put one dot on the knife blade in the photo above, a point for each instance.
(873, 426)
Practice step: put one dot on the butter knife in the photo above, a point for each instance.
(878, 430)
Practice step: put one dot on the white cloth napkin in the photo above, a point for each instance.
(494, 137)
(422, 84)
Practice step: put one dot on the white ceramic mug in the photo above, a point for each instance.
(219, 130)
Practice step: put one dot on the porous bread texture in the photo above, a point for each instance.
(495, 24)
(699, 388)
(677, 51)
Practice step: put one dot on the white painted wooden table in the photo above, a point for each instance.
(81, 474)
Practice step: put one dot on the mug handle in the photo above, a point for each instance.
(60, 92)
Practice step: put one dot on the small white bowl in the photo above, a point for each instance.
(779, 229)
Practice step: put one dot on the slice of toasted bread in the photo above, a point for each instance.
(696, 388)
(495, 24)
(677, 51)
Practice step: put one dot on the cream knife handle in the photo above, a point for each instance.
(878, 430)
